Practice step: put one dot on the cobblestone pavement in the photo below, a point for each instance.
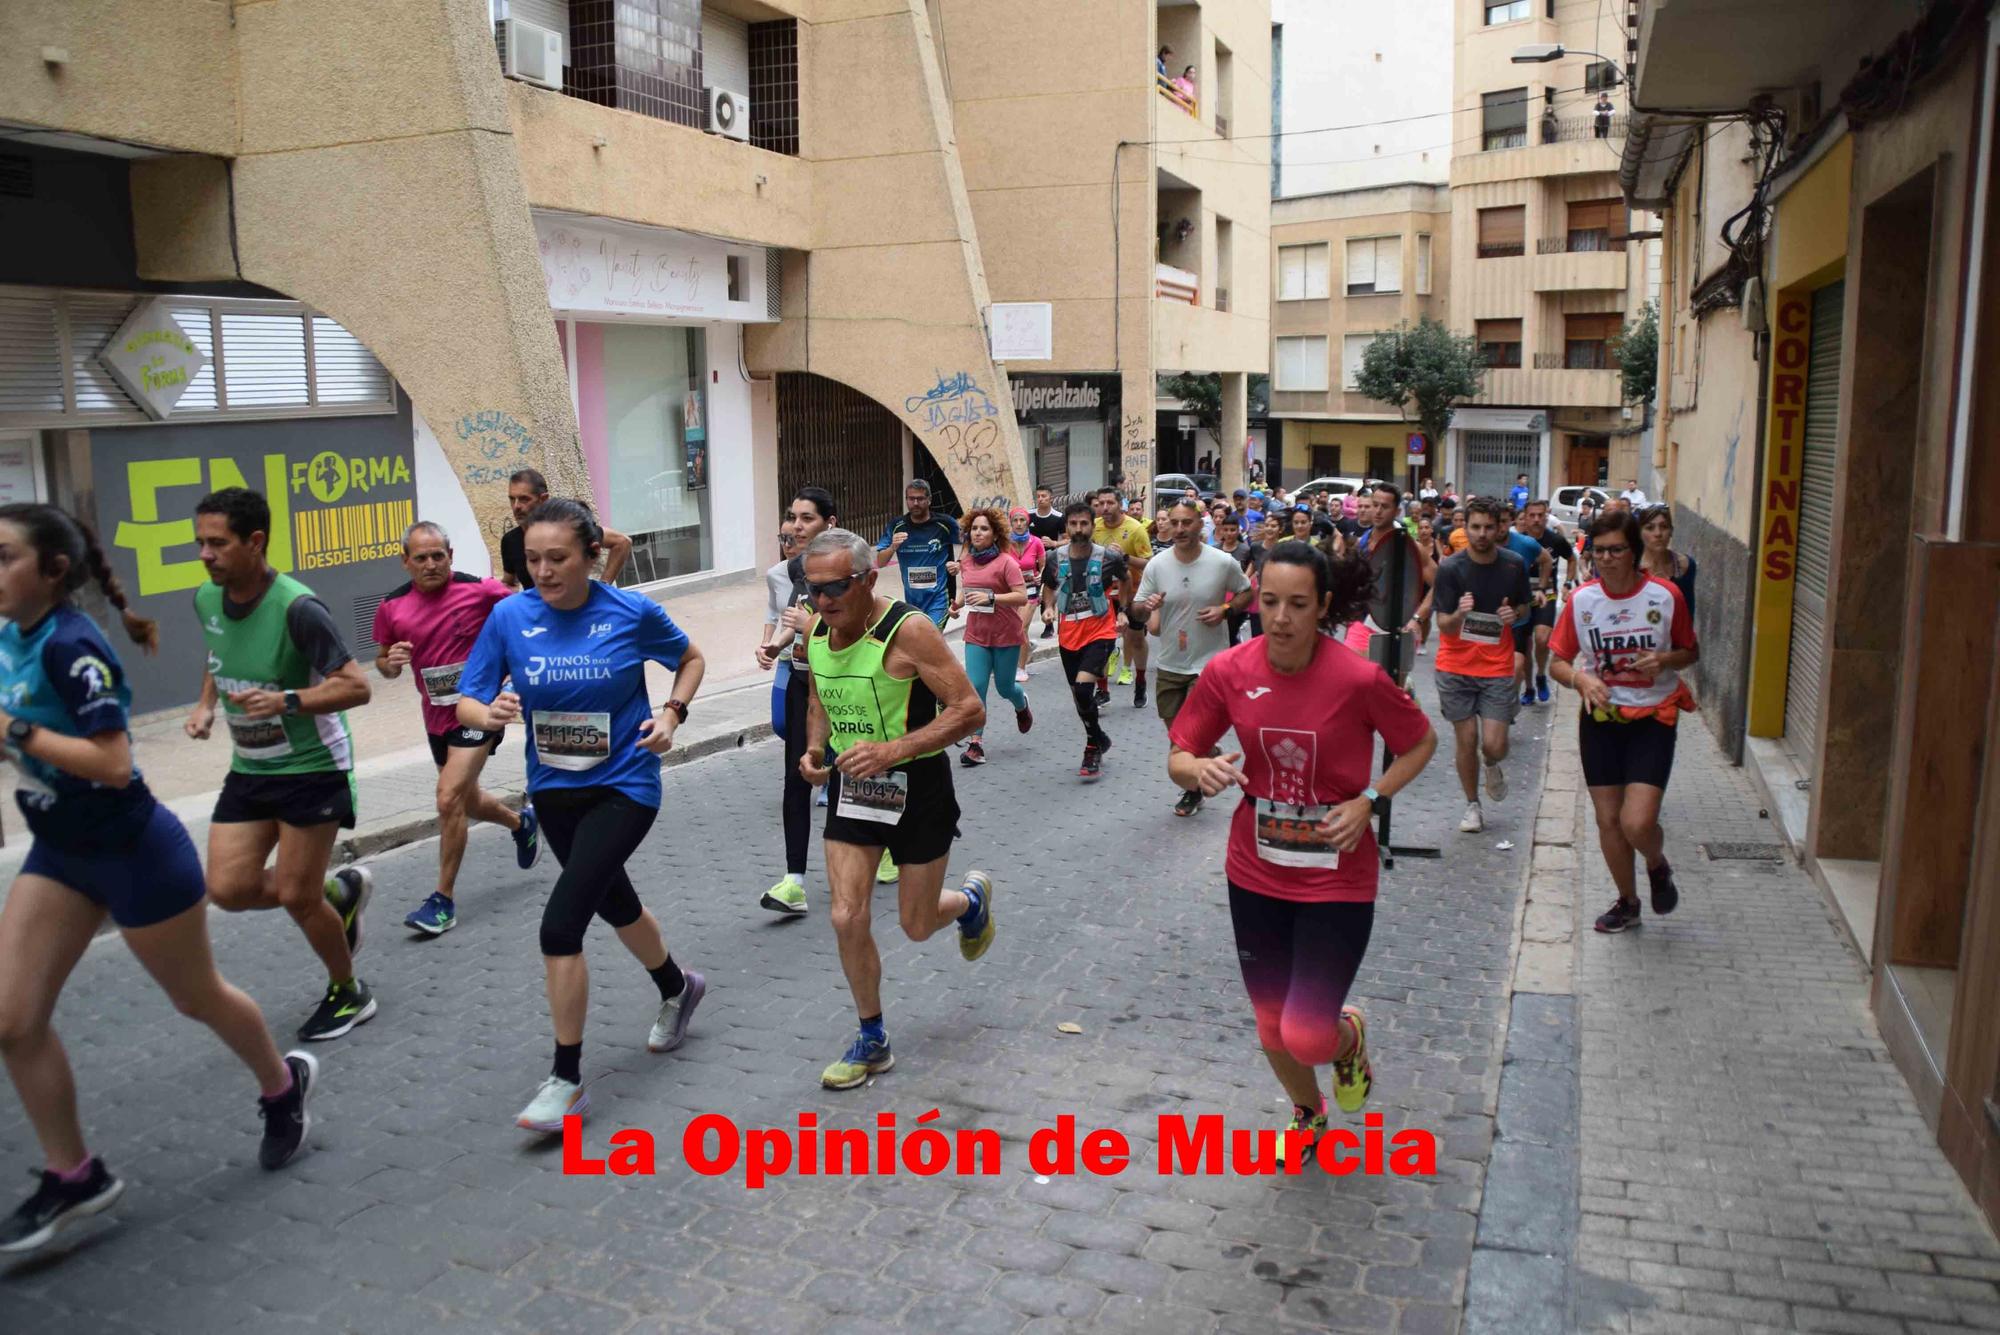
(421, 1207)
(1752, 1159)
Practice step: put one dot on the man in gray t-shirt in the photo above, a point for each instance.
(1187, 596)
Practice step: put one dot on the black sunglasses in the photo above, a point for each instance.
(836, 588)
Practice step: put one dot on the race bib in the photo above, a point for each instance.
(1288, 835)
(441, 683)
(880, 799)
(259, 738)
(986, 606)
(1481, 628)
(1078, 608)
(572, 741)
(920, 577)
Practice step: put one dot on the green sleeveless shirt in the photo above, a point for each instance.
(862, 701)
(257, 653)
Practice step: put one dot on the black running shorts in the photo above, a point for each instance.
(1615, 754)
(930, 815)
(303, 800)
(444, 743)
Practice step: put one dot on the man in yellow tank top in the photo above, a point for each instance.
(888, 698)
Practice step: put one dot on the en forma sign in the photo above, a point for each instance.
(1778, 519)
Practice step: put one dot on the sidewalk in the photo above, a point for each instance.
(395, 776)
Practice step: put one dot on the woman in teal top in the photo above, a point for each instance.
(102, 846)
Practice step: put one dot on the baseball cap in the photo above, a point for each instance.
(1018, 513)
(1241, 494)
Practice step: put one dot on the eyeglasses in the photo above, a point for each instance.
(1597, 549)
(836, 588)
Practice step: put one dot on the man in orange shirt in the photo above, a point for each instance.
(1478, 595)
(1085, 579)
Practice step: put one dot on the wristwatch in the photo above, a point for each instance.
(1372, 796)
(19, 730)
(292, 705)
(679, 707)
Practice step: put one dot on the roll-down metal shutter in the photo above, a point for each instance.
(1815, 562)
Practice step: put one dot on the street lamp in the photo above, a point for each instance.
(1541, 53)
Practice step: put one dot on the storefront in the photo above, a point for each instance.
(1487, 448)
(650, 322)
(1065, 422)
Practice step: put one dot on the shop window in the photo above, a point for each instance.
(1499, 343)
(656, 445)
(1503, 231)
(1301, 364)
(1374, 264)
(1504, 118)
(1587, 340)
(1302, 273)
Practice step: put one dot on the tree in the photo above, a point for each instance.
(1422, 372)
(1639, 355)
(1201, 393)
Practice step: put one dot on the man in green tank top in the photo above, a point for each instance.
(280, 676)
(888, 697)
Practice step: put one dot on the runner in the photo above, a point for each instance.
(1028, 553)
(925, 544)
(527, 489)
(888, 698)
(1046, 524)
(1230, 542)
(576, 651)
(429, 624)
(1535, 523)
(1660, 560)
(1302, 864)
(991, 588)
(789, 612)
(281, 676)
(1540, 566)
(1128, 535)
(1084, 578)
(1636, 635)
(1188, 597)
(102, 847)
(1479, 595)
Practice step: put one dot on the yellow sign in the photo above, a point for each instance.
(1778, 523)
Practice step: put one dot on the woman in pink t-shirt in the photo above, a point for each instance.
(1302, 862)
(990, 589)
(1028, 553)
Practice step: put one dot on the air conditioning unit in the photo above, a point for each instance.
(531, 54)
(728, 113)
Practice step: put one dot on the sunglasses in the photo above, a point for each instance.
(836, 588)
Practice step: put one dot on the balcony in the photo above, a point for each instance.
(1703, 56)
(1181, 98)
(1560, 266)
(1575, 129)
(1551, 387)
(1171, 284)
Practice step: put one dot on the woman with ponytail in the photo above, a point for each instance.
(102, 847)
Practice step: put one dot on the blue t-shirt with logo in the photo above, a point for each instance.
(1528, 549)
(922, 556)
(61, 674)
(1519, 496)
(581, 676)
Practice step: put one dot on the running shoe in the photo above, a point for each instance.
(1139, 696)
(819, 796)
(286, 1120)
(1092, 768)
(1353, 1077)
(434, 917)
(787, 896)
(671, 1025)
(346, 1005)
(1103, 695)
(1189, 804)
(864, 1057)
(1527, 695)
(1116, 663)
(1473, 821)
(975, 754)
(556, 1099)
(1619, 916)
(1020, 674)
(1024, 718)
(1542, 688)
(1496, 782)
(1124, 674)
(1305, 1119)
(56, 1205)
(528, 839)
(348, 890)
(975, 936)
(1048, 630)
(885, 870)
(1666, 895)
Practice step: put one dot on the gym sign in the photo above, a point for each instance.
(152, 358)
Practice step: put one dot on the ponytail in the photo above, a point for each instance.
(144, 632)
(55, 533)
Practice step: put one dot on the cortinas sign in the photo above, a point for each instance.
(152, 358)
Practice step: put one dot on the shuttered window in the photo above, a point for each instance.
(343, 370)
(1301, 364)
(1504, 118)
(1595, 224)
(31, 368)
(1814, 568)
(1374, 264)
(1302, 273)
(1587, 340)
(1353, 347)
(1499, 342)
(1503, 231)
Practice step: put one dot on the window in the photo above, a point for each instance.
(1505, 11)
(1423, 264)
(1499, 342)
(1374, 264)
(1503, 231)
(1595, 224)
(1302, 273)
(1600, 74)
(1587, 340)
(1301, 364)
(1505, 118)
(1352, 349)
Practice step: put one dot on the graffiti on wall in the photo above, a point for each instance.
(960, 421)
(954, 398)
(1135, 453)
(500, 443)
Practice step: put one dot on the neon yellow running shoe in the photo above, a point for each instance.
(787, 897)
(1114, 664)
(885, 870)
(1304, 1120)
(975, 936)
(1352, 1075)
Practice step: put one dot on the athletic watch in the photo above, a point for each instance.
(19, 730)
(1372, 796)
(292, 705)
(679, 707)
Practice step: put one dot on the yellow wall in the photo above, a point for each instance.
(1354, 439)
(1810, 235)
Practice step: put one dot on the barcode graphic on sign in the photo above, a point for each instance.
(346, 534)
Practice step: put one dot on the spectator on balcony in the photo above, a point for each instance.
(1601, 113)
(1160, 61)
(1551, 127)
(1184, 84)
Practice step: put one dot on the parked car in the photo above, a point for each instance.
(1337, 486)
(1169, 486)
(1567, 503)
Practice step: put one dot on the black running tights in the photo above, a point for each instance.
(593, 831)
(798, 793)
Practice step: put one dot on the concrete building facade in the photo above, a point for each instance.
(1368, 100)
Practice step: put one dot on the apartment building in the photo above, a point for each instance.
(1547, 262)
(1827, 436)
(680, 255)
(1367, 91)
(1350, 264)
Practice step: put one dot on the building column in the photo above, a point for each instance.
(1235, 428)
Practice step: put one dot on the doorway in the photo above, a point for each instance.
(1589, 461)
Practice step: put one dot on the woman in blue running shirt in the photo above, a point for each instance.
(102, 846)
(576, 651)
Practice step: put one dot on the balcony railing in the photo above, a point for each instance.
(1569, 129)
(1171, 284)
(1500, 250)
(1496, 140)
(1170, 91)
(1582, 355)
(1583, 241)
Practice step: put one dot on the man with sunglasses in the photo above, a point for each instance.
(888, 698)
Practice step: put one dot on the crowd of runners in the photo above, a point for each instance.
(1279, 651)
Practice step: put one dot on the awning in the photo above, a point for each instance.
(1656, 148)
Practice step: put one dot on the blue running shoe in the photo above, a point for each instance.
(1528, 695)
(528, 840)
(434, 917)
(976, 934)
(1542, 689)
(864, 1057)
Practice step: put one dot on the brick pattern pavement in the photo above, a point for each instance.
(1752, 1159)
(421, 1207)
